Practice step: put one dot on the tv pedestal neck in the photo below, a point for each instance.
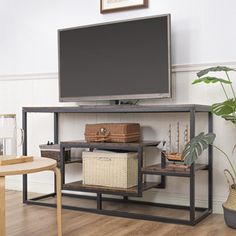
(124, 102)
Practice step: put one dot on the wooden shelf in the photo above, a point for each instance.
(111, 146)
(171, 171)
(121, 108)
(74, 160)
(79, 186)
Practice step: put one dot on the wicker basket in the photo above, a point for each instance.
(230, 205)
(231, 201)
(110, 169)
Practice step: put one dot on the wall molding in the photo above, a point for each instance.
(33, 76)
(197, 67)
(178, 68)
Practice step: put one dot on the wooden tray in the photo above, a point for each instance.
(9, 160)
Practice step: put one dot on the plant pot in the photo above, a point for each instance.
(230, 217)
(230, 205)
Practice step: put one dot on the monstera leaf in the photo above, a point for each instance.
(214, 69)
(224, 108)
(196, 146)
(231, 118)
(208, 80)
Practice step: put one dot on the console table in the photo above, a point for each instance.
(158, 169)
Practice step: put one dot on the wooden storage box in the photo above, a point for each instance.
(112, 132)
(53, 151)
(110, 169)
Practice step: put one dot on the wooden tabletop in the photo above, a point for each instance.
(37, 165)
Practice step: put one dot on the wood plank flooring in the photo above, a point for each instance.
(28, 220)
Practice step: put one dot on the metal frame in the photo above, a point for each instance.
(191, 109)
(125, 147)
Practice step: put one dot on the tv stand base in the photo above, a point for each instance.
(202, 212)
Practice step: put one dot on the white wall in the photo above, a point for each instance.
(202, 31)
(28, 75)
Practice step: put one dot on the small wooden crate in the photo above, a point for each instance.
(110, 169)
(112, 132)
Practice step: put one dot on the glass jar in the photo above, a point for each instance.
(8, 135)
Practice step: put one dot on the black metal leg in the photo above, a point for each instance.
(192, 193)
(99, 201)
(125, 198)
(62, 165)
(210, 164)
(25, 189)
(163, 165)
(24, 152)
(55, 183)
(56, 141)
(192, 170)
(140, 175)
(56, 128)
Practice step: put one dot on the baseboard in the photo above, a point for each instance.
(155, 196)
(34, 187)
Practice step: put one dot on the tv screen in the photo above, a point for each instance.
(116, 61)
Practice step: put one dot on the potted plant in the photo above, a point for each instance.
(226, 110)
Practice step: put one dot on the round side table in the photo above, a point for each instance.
(37, 165)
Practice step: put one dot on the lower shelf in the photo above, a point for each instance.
(171, 171)
(79, 186)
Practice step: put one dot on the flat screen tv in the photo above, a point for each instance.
(116, 61)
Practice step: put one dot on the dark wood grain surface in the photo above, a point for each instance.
(79, 186)
(104, 145)
(122, 108)
(171, 171)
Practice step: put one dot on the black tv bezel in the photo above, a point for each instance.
(128, 96)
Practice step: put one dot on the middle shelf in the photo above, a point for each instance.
(162, 169)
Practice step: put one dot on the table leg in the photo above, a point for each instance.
(2, 206)
(58, 193)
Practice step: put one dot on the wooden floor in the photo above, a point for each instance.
(27, 220)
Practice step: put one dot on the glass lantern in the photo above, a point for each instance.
(8, 135)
